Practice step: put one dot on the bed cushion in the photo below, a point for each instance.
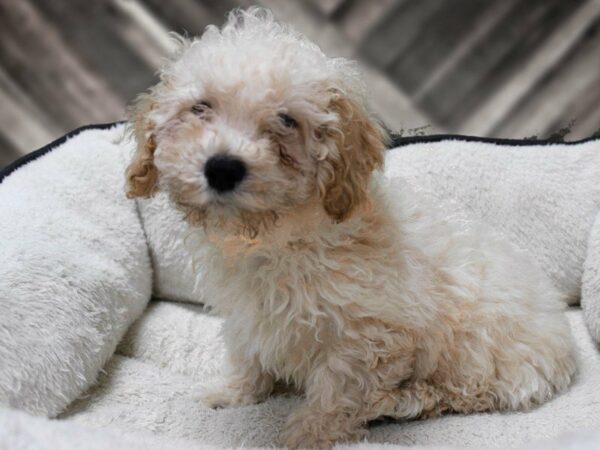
(155, 380)
(74, 268)
(79, 263)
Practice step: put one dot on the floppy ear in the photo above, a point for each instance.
(142, 175)
(360, 143)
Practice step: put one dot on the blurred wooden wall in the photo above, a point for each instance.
(505, 68)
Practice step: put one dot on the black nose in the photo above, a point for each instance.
(224, 172)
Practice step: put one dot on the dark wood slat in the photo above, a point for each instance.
(220, 8)
(583, 110)
(8, 152)
(493, 61)
(185, 17)
(570, 92)
(564, 39)
(40, 62)
(397, 30)
(91, 30)
(442, 33)
(65, 63)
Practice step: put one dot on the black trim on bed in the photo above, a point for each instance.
(401, 141)
(396, 141)
(52, 145)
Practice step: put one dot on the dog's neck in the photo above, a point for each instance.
(307, 225)
(290, 228)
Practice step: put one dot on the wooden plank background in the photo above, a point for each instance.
(504, 68)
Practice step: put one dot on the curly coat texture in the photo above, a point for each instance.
(331, 278)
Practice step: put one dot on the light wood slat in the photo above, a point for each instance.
(563, 40)
(145, 33)
(24, 125)
(588, 120)
(550, 106)
(8, 153)
(18, 126)
(8, 84)
(363, 15)
(575, 115)
(62, 86)
(328, 7)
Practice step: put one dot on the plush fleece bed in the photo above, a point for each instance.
(81, 342)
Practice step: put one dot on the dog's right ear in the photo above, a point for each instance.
(142, 175)
(361, 143)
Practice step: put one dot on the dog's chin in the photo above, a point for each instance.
(222, 220)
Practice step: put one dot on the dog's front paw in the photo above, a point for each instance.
(228, 396)
(294, 438)
(318, 433)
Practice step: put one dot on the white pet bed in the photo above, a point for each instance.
(79, 263)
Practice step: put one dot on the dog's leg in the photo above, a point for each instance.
(413, 400)
(247, 384)
(332, 410)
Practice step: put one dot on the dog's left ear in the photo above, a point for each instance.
(142, 175)
(360, 143)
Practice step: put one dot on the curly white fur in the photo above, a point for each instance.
(332, 279)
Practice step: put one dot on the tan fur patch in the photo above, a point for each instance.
(142, 176)
(361, 143)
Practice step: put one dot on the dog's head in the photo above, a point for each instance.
(250, 122)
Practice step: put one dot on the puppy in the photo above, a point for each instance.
(330, 277)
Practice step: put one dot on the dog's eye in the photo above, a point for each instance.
(201, 107)
(287, 121)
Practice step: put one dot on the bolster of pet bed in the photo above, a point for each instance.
(74, 268)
